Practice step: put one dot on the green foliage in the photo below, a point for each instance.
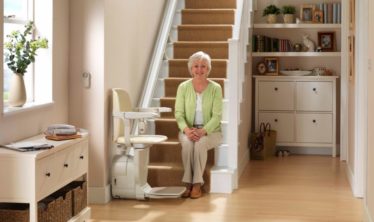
(21, 48)
(271, 9)
(288, 9)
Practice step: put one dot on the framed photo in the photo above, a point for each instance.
(318, 16)
(272, 66)
(306, 13)
(326, 40)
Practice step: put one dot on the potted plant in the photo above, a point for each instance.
(20, 51)
(288, 12)
(271, 12)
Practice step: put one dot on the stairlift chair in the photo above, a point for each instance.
(130, 162)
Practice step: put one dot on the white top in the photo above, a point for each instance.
(199, 110)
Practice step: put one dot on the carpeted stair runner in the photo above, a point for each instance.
(206, 26)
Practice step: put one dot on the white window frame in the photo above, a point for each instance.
(41, 12)
(30, 75)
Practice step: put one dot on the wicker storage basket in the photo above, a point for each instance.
(10, 212)
(47, 210)
(79, 196)
(64, 203)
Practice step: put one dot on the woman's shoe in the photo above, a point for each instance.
(196, 191)
(187, 192)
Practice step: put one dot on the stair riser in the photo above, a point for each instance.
(180, 69)
(196, 4)
(204, 33)
(216, 51)
(167, 153)
(171, 104)
(165, 177)
(171, 86)
(207, 17)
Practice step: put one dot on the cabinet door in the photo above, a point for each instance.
(314, 96)
(275, 95)
(283, 123)
(314, 128)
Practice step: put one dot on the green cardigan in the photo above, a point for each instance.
(185, 106)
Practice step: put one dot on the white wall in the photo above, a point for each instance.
(369, 196)
(113, 40)
(32, 122)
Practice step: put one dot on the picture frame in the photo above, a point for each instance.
(306, 13)
(318, 16)
(326, 40)
(272, 66)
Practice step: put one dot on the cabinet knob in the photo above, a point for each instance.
(66, 165)
(275, 120)
(48, 174)
(276, 88)
(314, 89)
(81, 157)
(314, 121)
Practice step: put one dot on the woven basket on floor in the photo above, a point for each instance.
(10, 212)
(79, 196)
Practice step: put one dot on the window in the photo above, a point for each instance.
(16, 15)
(38, 78)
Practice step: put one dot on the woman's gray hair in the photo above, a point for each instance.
(198, 56)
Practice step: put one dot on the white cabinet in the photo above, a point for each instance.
(301, 109)
(28, 177)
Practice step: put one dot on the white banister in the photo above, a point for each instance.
(158, 53)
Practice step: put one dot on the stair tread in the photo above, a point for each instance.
(186, 60)
(201, 42)
(185, 78)
(205, 26)
(209, 10)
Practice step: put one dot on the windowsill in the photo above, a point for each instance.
(8, 111)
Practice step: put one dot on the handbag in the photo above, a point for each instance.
(263, 143)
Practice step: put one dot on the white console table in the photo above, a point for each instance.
(28, 177)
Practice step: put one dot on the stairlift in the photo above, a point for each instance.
(131, 158)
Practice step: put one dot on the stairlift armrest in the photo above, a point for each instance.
(155, 109)
(135, 115)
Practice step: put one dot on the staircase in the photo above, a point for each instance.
(204, 26)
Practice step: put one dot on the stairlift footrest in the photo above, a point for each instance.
(165, 192)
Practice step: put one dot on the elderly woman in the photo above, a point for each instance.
(198, 111)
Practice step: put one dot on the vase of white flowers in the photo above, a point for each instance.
(20, 51)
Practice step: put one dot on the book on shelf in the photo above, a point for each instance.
(332, 12)
(263, 43)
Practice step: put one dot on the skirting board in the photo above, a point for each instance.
(367, 216)
(243, 162)
(308, 150)
(223, 180)
(99, 195)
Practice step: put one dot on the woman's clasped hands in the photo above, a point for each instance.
(194, 134)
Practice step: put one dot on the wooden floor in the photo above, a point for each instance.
(288, 189)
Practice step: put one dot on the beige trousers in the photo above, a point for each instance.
(195, 154)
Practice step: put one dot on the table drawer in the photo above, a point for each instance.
(81, 158)
(314, 128)
(46, 176)
(276, 95)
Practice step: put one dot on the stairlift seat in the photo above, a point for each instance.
(130, 172)
(142, 141)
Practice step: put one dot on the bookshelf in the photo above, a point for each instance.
(296, 26)
(280, 40)
(296, 54)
